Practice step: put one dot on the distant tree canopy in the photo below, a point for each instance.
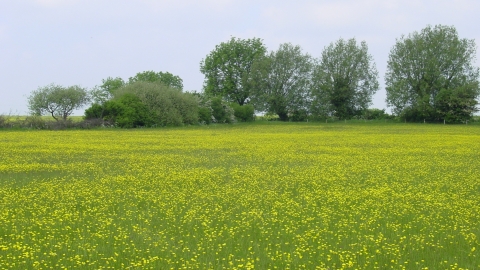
(344, 80)
(146, 101)
(282, 81)
(227, 69)
(56, 100)
(166, 78)
(104, 92)
(430, 76)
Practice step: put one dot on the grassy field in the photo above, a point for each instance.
(256, 196)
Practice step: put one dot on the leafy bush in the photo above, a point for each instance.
(147, 104)
(376, 114)
(3, 120)
(168, 106)
(187, 105)
(129, 111)
(418, 113)
(299, 115)
(126, 111)
(243, 113)
(456, 105)
(204, 115)
(93, 123)
(34, 121)
(221, 111)
(95, 111)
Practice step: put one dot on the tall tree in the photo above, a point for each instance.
(430, 75)
(227, 69)
(282, 81)
(344, 80)
(56, 100)
(100, 94)
(166, 78)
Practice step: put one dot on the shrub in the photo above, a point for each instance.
(95, 111)
(299, 115)
(418, 114)
(34, 121)
(221, 111)
(129, 111)
(243, 113)
(205, 115)
(3, 121)
(376, 114)
(168, 106)
(93, 123)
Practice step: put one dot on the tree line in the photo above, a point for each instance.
(430, 77)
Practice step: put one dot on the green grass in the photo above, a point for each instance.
(74, 118)
(260, 195)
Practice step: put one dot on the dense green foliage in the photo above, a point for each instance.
(165, 106)
(243, 113)
(159, 101)
(282, 81)
(104, 92)
(344, 80)
(227, 69)
(221, 111)
(154, 103)
(165, 78)
(126, 111)
(430, 76)
(170, 106)
(376, 114)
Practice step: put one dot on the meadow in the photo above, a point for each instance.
(242, 196)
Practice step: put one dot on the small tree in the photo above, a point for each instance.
(57, 100)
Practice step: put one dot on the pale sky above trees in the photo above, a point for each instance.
(81, 42)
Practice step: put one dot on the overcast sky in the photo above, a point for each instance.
(81, 42)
